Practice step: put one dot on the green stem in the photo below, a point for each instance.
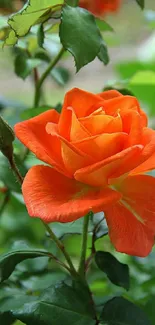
(44, 76)
(84, 246)
(15, 170)
(61, 247)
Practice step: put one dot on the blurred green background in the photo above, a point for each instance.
(132, 66)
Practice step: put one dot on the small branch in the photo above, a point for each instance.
(84, 245)
(62, 248)
(58, 261)
(16, 170)
(44, 76)
(93, 249)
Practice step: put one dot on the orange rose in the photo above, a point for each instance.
(100, 7)
(99, 148)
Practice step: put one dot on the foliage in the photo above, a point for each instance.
(38, 284)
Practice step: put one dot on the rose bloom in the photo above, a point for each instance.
(100, 7)
(97, 151)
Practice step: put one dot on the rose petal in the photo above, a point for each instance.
(132, 223)
(102, 146)
(109, 94)
(78, 130)
(54, 197)
(72, 157)
(81, 101)
(147, 161)
(33, 135)
(99, 173)
(127, 233)
(96, 124)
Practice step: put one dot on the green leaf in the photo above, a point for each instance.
(32, 112)
(6, 318)
(80, 35)
(41, 35)
(141, 3)
(7, 136)
(103, 54)
(119, 311)
(9, 261)
(103, 25)
(150, 307)
(25, 65)
(57, 305)
(142, 84)
(33, 12)
(70, 228)
(60, 75)
(117, 273)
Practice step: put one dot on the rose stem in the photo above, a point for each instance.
(44, 76)
(84, 245)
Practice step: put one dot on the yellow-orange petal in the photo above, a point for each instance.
(72, 157)
(102, 146)
(77, 130)
(127, 233)
(99, 173)
(51, 196)
(96, 124)
(32, 133)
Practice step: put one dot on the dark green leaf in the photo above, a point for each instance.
(141, 3)
(60, 75)
(9, 261)
(119, 311)
(41, 35)
(80, 35)
(24, 65)
(7, 136)
(150, 307)
(103, 54)
(118, 273)
(123, 91)
(6, 318)
(57, 305)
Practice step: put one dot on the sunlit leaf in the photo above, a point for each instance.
(33, 12)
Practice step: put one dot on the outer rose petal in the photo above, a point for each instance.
(147, 162)
(98, 174)
(53, 197)
(132, 222)
(138, 192)
(109, 94)
(33, 135)
(128, 235)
